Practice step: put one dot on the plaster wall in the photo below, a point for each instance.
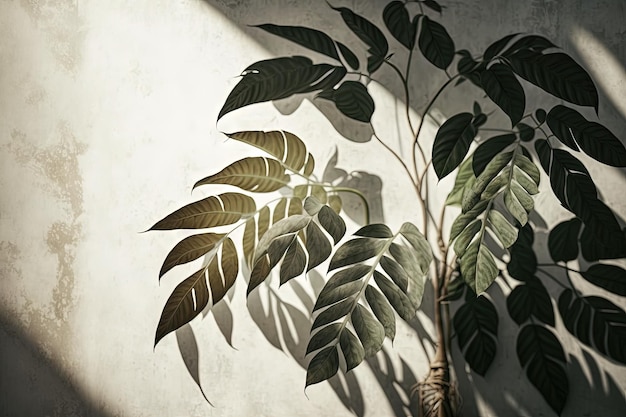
(107, 117)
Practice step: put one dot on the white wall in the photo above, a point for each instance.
(107, 117)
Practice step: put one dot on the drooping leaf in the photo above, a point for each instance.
(464, 180)
(353, 100)
(478, 267)
(288, 226)
(332, 223)
(396, 296)
(221, 279)
(497, 47)
(257, 174)
(284, 146)
(530, 299)
(368, 328)
(397, 20)
(352, 349)
(334, 312)
(502, 87)
(452, 142)
(596, 322)
(323, 337)
(488, 150)
(541, 354)
(349, 56)
(435, 43)
(375, 230)
(563, 240)
(324, 365)
(382, 310)
(476, 326)
(369, 34)
(278, 78)
(317, 246)
(610, 277)
(533, 43)
(189, 249)
(502, 228)
(354, 251)
(420, 245)
(341, 285)
(309, 38)
(432, 4)
(594, 139)
(294, 263)
(220, 210)
(523, 263)
(557, 74)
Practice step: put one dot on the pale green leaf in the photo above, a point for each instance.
(382, 310)
(397, 298)
(505, 231)
(466, 236)
(478, 267)
(370, 331)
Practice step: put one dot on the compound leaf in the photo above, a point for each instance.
(476, 326)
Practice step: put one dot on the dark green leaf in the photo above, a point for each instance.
(351, 348)
(596, 322)
(353, 100)
(476, 326)
(317, 245)
(323, 337)
(376, 230)
(189, 249)
(530, 299)
(397, 20)
(397, 298)
(332, 222)
(593, 249)
(488, 150)
(396, 272)
(563, 240)
(341, 285)
(288, 226)
(610, 277)
(523, 263)
(354, 251)
(432, 4)
(257, 174)
(435, 43)
(503, 88)
(370, 331)
(323, 366)
(534, 43)
(369, 34)
(541, 353)
(382, 310)
(334, 312)
(540, 115)
(220, 210)
(309, 38)
(557, 74)
(594, 139)
(526, 133)
(349, 56)
(497, 47)
(452, 142)
(294, 262)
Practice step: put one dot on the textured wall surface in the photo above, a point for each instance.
(107, 117)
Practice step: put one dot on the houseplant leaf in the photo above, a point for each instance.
(435, 43)
(452, 142)
(502, 87)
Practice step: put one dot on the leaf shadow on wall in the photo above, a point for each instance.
(33, 384)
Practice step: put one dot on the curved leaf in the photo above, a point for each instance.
(323, 366)
(488, 150)
(594, 139)
(563, 240)
(220, 210)
(351, 348)
(533, 43)
(317, 246)
(382, 310)
(397, 20)
(594, 249)
(476, 326)
(369, 34)
(354, 251)
(478, 267)
(464, 180)
(284, 146)
(257, 174)
(541, 353)
(190, 249)
(294, 263)
(557, 74)
(610, 277)
(332, 223)
(497, 47)
(433, 5)
(353, 100)
(349, 56)
(596, 322)
(278, 78)
(376, 230)
(368, 328)
(503, 88)
(523, 263)
(530, 299)
(435, 43)
(309, 38)
(452, 142)
(223, 278)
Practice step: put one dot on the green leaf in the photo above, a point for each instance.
(476, 326)
(375, 230)
(370, 331)
(523, 263)
(610, 277)
(541, 353)
(502, 87)
(497, 47)
(349, 56)
(594, 139)
(352, 349)
(278, 78)
(323, 366)
(452, 142)
(594, 249)
(540, 115)
(317, 245)
(563, 240)
(533, 43)
(478, 267)
(526, 133)
(354, 251)
(309, 38)
(504, 231)
(397, 20)
(432, 4)
(435, 43)
(530, 299)
(557, 74)
(596, 322)
(284, 146)
(294, 262)
(491, 171)
(257, 174)
(382, 310)
(334, 312)
(353, 100)
(189, 249)
(467, 235)
(396, 296)
(220, 210)
(422, 248)
(464, 179)
(488, 150)
(461, 222)
(369, 34)
(341, 285)
(332, 223)
(288, 226)
(221, 279)
(323, 337)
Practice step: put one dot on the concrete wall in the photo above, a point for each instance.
(107, 117)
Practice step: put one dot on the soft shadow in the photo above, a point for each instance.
(32, 384)
(188, 348)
